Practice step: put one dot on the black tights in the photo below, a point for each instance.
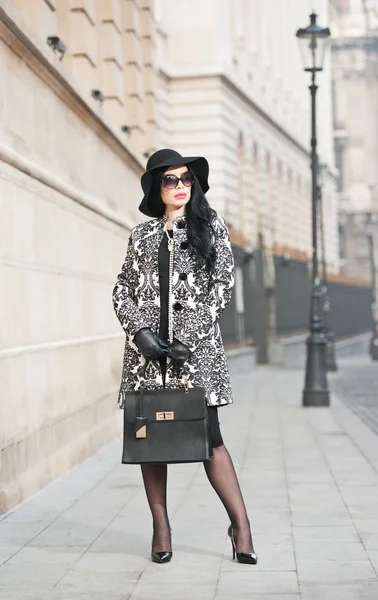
(221, 474)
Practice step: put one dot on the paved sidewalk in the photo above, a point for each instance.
(310, 480)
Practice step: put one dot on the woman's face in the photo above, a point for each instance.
(180, 195)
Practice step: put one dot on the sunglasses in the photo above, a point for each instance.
(170, 182)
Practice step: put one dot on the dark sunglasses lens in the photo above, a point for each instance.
(187, 179)
(169, 181)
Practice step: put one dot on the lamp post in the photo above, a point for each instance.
(374, 338)
(330, 360)
(313, 41)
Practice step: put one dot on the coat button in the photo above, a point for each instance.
(177, 306)
(184, 245)
(181, 224)
(183, 276)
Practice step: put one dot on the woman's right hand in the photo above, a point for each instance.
(150, 345)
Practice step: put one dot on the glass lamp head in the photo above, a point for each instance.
(313, 42)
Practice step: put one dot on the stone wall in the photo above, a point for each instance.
(69, 192)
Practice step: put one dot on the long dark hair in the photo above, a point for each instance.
(199, 216)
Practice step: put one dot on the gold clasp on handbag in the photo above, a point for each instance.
(186, 384)
(165, 416)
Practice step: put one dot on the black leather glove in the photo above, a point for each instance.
(179, 353)
(150, 345)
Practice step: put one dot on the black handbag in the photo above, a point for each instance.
(166, 426)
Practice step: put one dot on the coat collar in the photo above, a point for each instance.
(164, 219)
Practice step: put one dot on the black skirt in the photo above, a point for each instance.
(215, 433)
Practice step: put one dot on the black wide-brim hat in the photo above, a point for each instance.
(169, 158)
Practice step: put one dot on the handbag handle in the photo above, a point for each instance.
(140, 418)
(143, 369)
(185, 373)
(140, 407)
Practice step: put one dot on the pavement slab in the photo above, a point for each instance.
(310, 481)
(360, 591)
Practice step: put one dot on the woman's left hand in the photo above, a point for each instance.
(179, 353)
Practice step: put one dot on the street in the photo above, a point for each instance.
(357, 387)
(310, 482)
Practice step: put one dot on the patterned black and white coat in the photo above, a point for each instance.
(198, 300)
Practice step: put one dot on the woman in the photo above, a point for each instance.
(201, 287)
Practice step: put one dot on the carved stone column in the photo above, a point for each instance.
(280, 206)
(264, 194)
(77, 28)
(255, 191)
(148, 38)
(274, 206)
(286, 216)
(248, 215)
(133, 72)
(40, 16)
(268, 182)
(111, 60)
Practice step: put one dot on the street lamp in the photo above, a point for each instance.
(330, 360)
(313, 41)
(374, 338)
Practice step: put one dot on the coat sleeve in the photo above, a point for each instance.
(198, 326)
(130, 316)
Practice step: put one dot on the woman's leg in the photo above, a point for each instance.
(221, 474)
(155, 484)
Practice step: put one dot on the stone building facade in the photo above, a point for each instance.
(355, 86)
(232, 85)
(221, 78)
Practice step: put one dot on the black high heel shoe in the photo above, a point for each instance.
(162, 557)
(247, 558)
